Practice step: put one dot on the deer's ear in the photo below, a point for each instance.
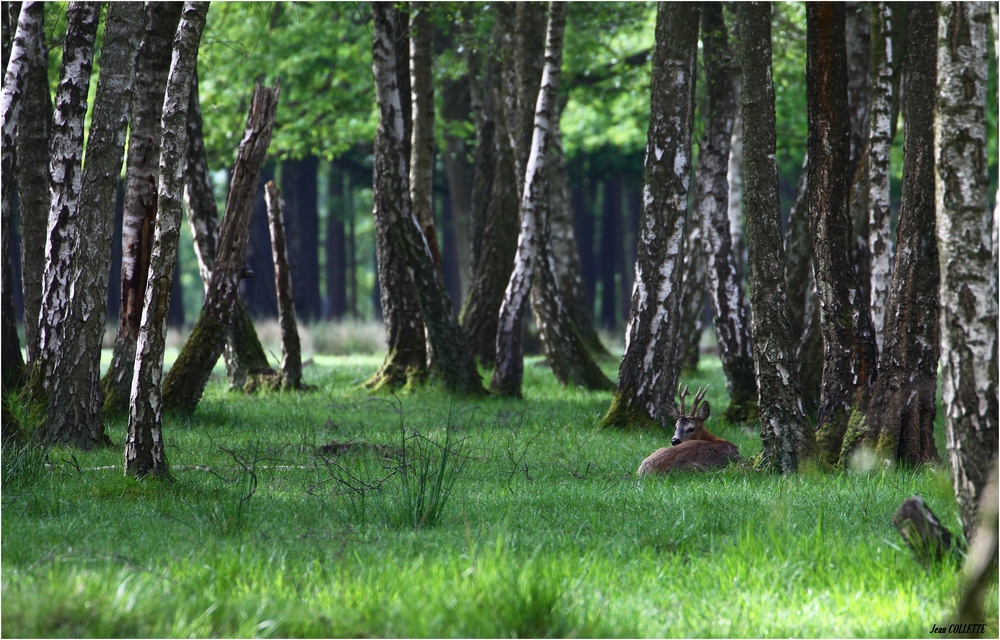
(704, 410)
(672, 412)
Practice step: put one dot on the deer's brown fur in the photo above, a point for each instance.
(694, 447)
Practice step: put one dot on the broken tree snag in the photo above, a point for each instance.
(291, 351)
(922, 531)
(647, 378)
(144, 450)
(243, 353)
(184, 385)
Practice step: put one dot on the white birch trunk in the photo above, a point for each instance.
(291, 350)
(144, 450)
(968, 283)
(879, 146)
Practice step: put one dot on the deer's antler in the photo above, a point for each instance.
(697, 399)
(681, 394)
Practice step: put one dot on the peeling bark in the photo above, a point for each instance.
(731, 317)
(74, 294)
(968, 282)
(787, 439)
(144, 448)
(394, 218)
(32, 133)
(879, 146)
(141, 175)
(646, 379)
(899, 422)
(849, 343)
(185, 383)
(291, 350)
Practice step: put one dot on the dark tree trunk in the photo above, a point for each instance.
(610, 249)
(185, 382)
(848, 338)
(694, 296)
(141, 174)
(19, 49)
(731, 317)
(968, 276)
(528, 58)
(858, 37)
(257, 290)
(647, 378)
(456, 109)
(421, 160)
(449, 252)
(900, 419)
(406, 347)
(798, 255)
(75, 292)
(495, 211)
(397, 224)
(244, 355)
(175, 317)
(33, 131)
(301, 215)
(144, 448)
(582, 196)
(569, 271)
(291, 350)
(336, 242)
(115, 277)
(786, 436)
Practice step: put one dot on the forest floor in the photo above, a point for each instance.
(290, 516)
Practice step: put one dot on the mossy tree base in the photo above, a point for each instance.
(741, 412)
(624, 414)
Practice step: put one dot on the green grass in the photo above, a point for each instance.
(546, 530)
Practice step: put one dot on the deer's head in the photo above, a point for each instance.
(690, 426)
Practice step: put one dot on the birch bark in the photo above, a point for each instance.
(731, 317)
(32, 133)
(24, 42)
(141, 174)
(75, 290)
(786, 436)
(900, 419)
(849, 344)
(968, 283)
(453, 362)
(646, 379)
(144, 450)
(879, 146)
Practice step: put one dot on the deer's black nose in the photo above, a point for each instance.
(675, 441)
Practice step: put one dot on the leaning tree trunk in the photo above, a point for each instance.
(75, 292)
(494, 217)
(291, 351)
(453, 363)
(849, 344)
(647, 378)
(185, 383)
(33, 130)
(527, 59)
(144, 450)
(968, 282)
(786, 436)
(900, 419)
(244, 356)
(879, 146)
(406, 343)
(141, 174)
(22, 50)
(422, 148)
(732, 322)
(564, 349)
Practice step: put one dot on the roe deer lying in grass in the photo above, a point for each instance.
(694, 448)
